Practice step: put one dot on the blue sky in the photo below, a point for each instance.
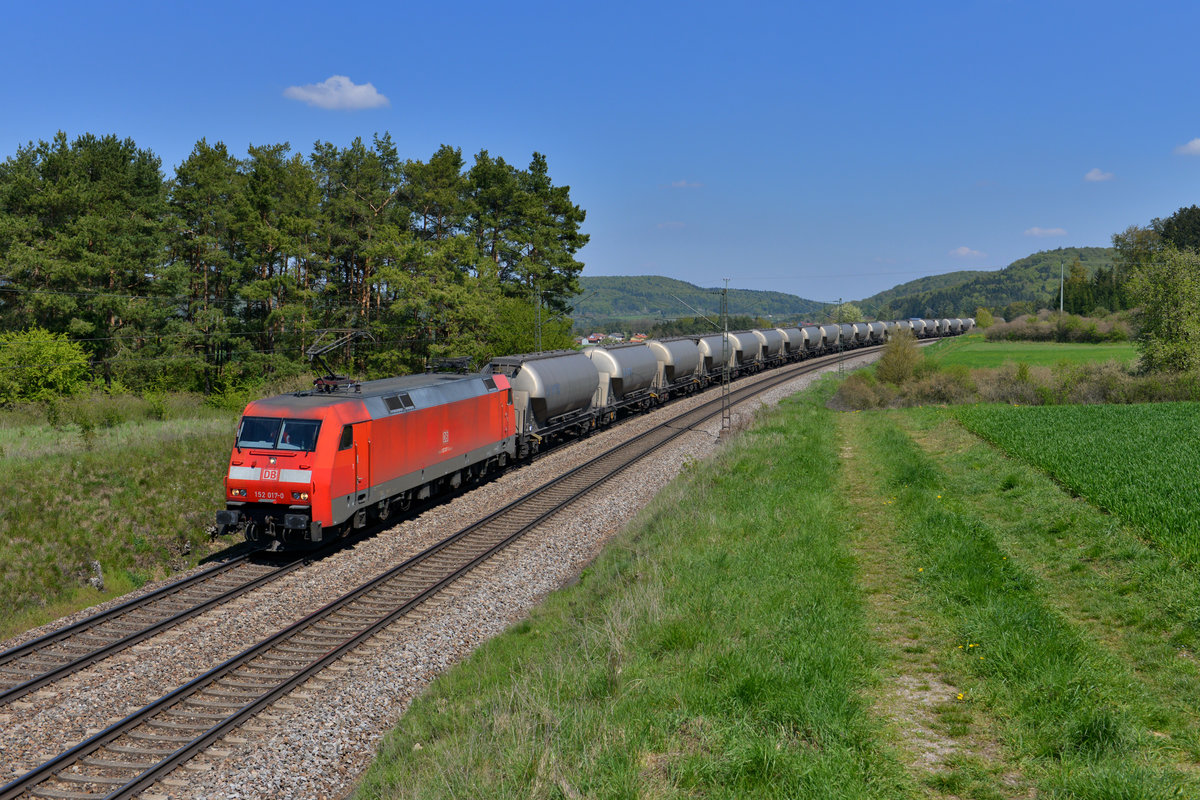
(828, 150)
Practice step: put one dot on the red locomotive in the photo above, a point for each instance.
(307, 466)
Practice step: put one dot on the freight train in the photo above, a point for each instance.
(309, 466)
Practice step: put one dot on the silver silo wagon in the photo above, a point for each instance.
(552, 392)
(678, 364)
(626, 374)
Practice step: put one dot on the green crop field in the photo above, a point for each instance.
(1128, 460)
(974, 351)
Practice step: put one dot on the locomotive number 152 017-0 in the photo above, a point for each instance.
(269, 496)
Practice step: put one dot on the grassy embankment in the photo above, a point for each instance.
(921, 615)
(717, 650)
(974, 352)
(128, 483)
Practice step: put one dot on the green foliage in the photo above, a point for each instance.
(221, 277)
(844, 312)
(1182, 229)
(1166, 288)
(900, 359)
(1054, 327)
(38, 365)
(983, 318)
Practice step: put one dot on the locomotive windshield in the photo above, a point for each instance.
(273, 433)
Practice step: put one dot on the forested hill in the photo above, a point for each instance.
(653, 297)
(1033, 279)
(929, 283)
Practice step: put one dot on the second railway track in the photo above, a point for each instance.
(42, 661)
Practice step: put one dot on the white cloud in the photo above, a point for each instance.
(1192, 148)
(966, 252)
(1096, 174)
(337, 93)
(1042, 232)
(671, 226)
(686, 184)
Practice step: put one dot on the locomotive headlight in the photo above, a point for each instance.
(299, 495)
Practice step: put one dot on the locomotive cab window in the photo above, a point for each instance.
(299, 434)
(347, 438)
(273, 433)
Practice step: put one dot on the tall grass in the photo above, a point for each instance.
(717, 649)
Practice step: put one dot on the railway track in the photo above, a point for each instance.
(131, 755)
(32, 665)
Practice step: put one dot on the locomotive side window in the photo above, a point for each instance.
(347, 438)
(510, 397)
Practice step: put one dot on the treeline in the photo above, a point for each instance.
(225, 271)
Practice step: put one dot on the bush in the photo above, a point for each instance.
(862, 391)
(1049, 326)
(38, 365)
(900, 360)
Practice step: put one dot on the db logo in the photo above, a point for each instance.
(445, 437)
(270, 474)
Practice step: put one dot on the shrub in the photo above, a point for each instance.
(156, 406)
(87, 426)
(38, 365)
(900, 359)
(111, 417)
(862, 391)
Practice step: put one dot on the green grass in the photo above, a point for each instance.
(136, 497)
(1137, 462)
(1131, 597)
(715, 650)
(1071, 715)
(974, 351)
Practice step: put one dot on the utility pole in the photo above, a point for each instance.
(726, 351)
(841, 347)
(1061, 284)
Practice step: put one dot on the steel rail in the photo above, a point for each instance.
(89, 625)
(587, 476)
(129, 605)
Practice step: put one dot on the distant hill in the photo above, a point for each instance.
(1033, 279)
(607, 298)
(920, 286)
